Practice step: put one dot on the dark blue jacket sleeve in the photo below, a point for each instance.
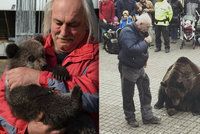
(57, 85)
(129, 42)
(90, 102)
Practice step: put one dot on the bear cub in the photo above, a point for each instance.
(60, 111)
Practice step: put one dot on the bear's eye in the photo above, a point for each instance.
(31, 58)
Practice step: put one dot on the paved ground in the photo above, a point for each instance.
(111, 114)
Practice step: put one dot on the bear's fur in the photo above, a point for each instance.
(180, 88)
(60, 111)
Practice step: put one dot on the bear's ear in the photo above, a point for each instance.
(39, 37)
(163, 83)
(76, 98)
(11, 50)
(76, 93)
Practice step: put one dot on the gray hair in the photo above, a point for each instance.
(144, 18)
(90, 18)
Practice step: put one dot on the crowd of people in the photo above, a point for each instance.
(137, 19)
(70, 39)
(166, 17)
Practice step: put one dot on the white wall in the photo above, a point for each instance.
(40, 4)
(8, 4)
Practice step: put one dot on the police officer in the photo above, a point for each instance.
(163, 15)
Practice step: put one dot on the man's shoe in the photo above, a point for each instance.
(153, 120)
(157, 50)
(133, 123)
(167, 50)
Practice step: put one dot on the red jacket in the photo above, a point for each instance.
(107, 11)
(83, 67)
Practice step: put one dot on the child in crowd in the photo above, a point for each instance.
(126, 19)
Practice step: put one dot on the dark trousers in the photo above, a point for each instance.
(174, 31)
(130, 77)
(165, 32)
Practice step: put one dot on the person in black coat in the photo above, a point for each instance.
(175, 22)
(133, 55)
(128, 5)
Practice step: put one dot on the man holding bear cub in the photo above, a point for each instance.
(72, 43)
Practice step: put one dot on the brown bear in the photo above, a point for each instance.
(180, 88)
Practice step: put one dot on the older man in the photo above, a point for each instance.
(70, 40)
(133, 56)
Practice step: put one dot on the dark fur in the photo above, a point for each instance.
(180, 88)
(28, 102)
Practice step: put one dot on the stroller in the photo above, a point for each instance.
(188, 29)
(111, 41)
(197, 32)
(111, 37)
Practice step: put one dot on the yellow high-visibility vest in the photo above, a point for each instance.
(163, 13)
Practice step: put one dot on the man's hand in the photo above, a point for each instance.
(104, 21)
(35, 127)
(148, 39)
(22, 76)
